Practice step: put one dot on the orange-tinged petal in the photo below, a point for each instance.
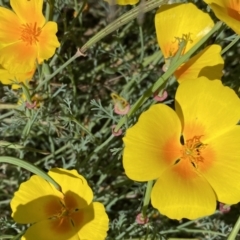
(48, 41)
(122, 2)
(29, 11)
(207, 63)
(13, 78)
(207, 108)
(228, 15)
(177, 196)
(177, 21)
(224, 173)
(152, 144)
(18, 57)
(70, 180)
(35, 200)
(51, 229)
(10, 27)
(95, 226)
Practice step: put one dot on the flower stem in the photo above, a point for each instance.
(234, 232)
(230, 44)
(8, 106)
(30, 167)
(49, 77)
(125, 18)
(147, 198)
(142, 43)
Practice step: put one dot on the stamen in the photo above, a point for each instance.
(192, 151)
(30, 33)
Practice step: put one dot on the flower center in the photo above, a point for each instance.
(30, 33)
(65, 212)
(235, 4)
(233, 8)
(192, 151)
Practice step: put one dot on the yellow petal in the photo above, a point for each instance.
(224, 173)
(228, 13)
(10, 27)
(18, 57)
(13, 78)
(29, 11)
(95, 225)
(152, 144)
(70, 180)
(48, 41)
(51, 229)
(207, 108)
(178, 196)
(122, 2)
(177, 21)
(35, 200)
(207, 63)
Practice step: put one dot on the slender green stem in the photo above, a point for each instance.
(82, 127)
(16, 146)
(125, 232)
(147, 198)
(49, 77)
(234, 232)
(6, 237)
(30, 167)
(230, 44)
(142, 43)
(7, 114)
(125, 18)
(79, 11)
(103, 144)
(194, 221)
(63, 148)
(183, 238)
(9, 106)
(47, 11)
(193, 231)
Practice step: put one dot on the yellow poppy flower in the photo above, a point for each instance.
(56, 215)
(227, 11)
(193, 152)
(122, 2)
(13, 79)
(185, 21)
(25, 36)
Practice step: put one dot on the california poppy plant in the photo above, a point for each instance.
(69, 214)
(186, 22)
(193, 152)
(227, 11)
(25, 36)
(122, 2)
